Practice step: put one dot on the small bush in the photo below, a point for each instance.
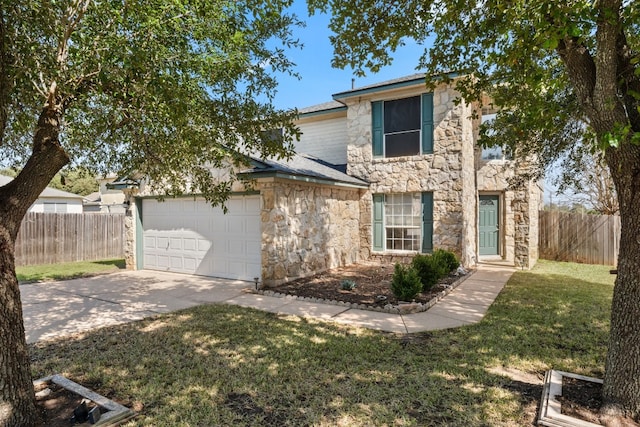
(406, 283)
(447, 259)
(348, 285)
(429, 270)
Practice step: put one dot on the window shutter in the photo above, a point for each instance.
(377, 128)
(378, 222)
(427, 222)
(427, 123)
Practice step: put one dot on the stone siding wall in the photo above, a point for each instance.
(307, 228)
(519, 216)
(448, 172)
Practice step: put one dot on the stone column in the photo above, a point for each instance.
(130, 216)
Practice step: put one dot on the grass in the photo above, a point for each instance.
(226, 365)
(69, 270)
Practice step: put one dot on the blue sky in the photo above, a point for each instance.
(313, 62)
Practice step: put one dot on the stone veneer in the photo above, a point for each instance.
(448, 172)
(307, 228)
(519, 213)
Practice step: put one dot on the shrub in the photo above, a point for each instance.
(348, 285)
(406, 283)
(447, 258)
(429, 270)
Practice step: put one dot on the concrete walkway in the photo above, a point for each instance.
(58, 309)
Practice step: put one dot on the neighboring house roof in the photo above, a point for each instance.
(93, 197)
(48, 192)
(303, 166)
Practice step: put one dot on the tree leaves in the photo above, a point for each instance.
(150, 86)
(513, 51)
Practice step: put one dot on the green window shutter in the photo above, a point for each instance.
(378, 222)
(377, 128)
(427, 222)
(427, 123)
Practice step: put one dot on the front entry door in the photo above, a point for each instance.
(488, 226)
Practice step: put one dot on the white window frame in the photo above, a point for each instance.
(403, 212)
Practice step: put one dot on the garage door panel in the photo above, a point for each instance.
(252, 204)
(175, 243)
(162, 261)
(235, 225)
(190, 264)
(176, 262)
(203, 245)
(150, 242)
(162, 242)
(237, 248)
(235, 206)
(190, 236)
(189, 244)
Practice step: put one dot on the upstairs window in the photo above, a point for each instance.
(496, 152)
(403, 127)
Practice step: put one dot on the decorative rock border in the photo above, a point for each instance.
(402, 308)
(550, 408)
(115, 414)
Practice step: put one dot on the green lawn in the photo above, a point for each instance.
(69, 270)
(226, 365)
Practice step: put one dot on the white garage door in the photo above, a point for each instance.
(189, 236)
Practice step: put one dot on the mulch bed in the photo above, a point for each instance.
(373, 281)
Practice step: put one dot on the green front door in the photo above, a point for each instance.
(488, 229)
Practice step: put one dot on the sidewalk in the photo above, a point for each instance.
(58, 309)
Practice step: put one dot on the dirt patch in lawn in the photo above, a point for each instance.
(373, 285)
(56, 405)
(582, 400)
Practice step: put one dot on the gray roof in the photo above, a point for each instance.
(303, 165)
(406, 80)
(326, 106)
(93, 197)
(47, 193)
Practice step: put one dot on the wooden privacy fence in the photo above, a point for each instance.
(584, 238)
(49, 238)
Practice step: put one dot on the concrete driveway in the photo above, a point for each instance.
(55, 309)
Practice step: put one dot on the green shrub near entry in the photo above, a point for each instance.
(447, 258)
(432, 268)
(406, 283)
(429, 270)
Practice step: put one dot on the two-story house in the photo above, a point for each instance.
(383, 171)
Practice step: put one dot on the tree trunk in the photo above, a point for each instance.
(621, 391)
(17, 404)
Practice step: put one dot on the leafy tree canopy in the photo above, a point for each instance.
(154, 87)
(515, 51)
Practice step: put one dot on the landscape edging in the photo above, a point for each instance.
(403, 308)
